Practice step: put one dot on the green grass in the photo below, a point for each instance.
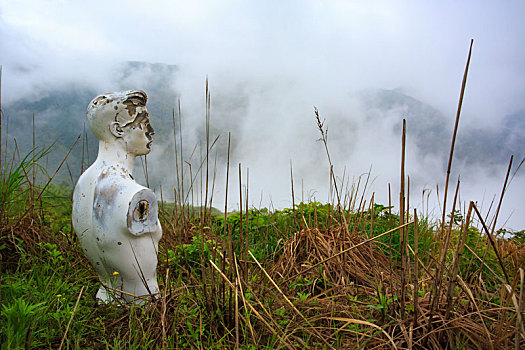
(215, 296)
(39, 290)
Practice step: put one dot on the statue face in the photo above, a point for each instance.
(138, 134)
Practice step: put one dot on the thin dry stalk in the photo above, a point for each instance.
(493, 244)
(365, 323)
(293, 196)
(324, 138)
(48, 182)
(372, 215)
(70, 175)
(289, 302)
(181, 160)
(1, 114)
(390, 235)
(518, 307)
(352, 206)
(482, 261)
(449, 167)
(241, 215)
(239, 284)
(163, 310)
(451, 155)
(198, 173)
(208, 106)
(521, 308)
(473, 301)
(402, 221)
(256, 313)
(416, 270)
(408, 200)
(364, 190)
(213, 179)
(237, 331)
(226, 192)
(457, 261)
(177, 199)
(247, 218)
(441, 267)
(71, 318)
(6, 139)
(503, 190)
(33, 183)
(346, 251)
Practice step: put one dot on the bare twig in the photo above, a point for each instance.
(71, 318)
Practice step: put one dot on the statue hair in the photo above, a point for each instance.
(119, 107)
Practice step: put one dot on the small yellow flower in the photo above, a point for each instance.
(115, 273)
(59, 295)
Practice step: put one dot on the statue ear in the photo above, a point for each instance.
(116, 129)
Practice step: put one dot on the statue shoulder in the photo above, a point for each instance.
(112, 193)
(143, 212)
(84, 184)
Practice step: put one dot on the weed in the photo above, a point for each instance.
(383, 301)
(19, 318)
(348, 268)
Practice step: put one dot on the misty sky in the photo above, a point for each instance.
(288, 56)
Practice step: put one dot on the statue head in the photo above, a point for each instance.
(122, 116)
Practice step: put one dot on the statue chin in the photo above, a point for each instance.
(115, 218)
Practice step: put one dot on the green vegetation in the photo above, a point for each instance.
(338, 303)
(354, 275)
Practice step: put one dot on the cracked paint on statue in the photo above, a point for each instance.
(115, 218)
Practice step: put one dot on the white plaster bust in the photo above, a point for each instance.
(116, 219)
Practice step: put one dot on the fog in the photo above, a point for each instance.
(269, 63)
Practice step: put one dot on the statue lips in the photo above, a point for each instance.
(149, 135)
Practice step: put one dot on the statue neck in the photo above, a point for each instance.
(114, 153)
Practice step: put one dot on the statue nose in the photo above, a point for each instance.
(150, 130)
